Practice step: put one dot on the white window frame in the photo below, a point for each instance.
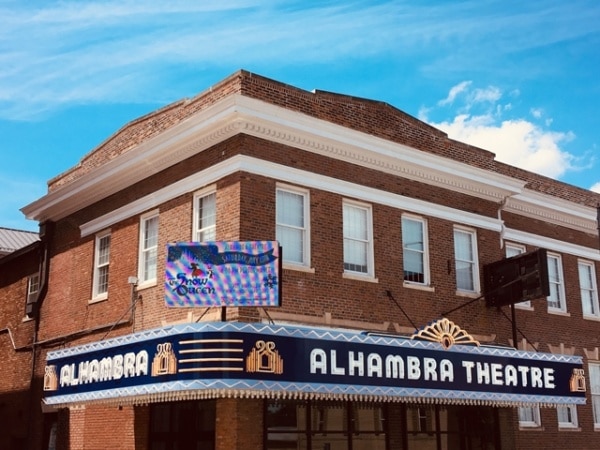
(529, 416)
(424, 252)
(588, 288)
(594, 375)
(367, 241)
(33, 286)
(147, 253)
(207, 229)
(511, 249)
(100, 266)
(567, 416)
(474, 263)
(557, 284)
(303, 229)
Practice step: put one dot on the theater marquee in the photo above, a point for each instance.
(209, 360)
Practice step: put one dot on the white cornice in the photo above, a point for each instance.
(535, 240)
(238, 114)
(553, 210)
(290, 175)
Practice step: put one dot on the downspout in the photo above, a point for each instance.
(33, 308)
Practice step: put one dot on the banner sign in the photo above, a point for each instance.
(238, 273)
(266, 360)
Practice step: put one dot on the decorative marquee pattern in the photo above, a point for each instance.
(306, 333)
(439, 335)
(220, 388)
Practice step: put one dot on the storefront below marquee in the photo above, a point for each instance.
(285, 387)
(333, 425)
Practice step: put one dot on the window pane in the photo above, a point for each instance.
(464, 251)
(587, 285)
(413, 247)
(290, 209)
(356, 239)
(291, 226)
(555, 279)
(207, 217)
(291, 243)
(149, 248)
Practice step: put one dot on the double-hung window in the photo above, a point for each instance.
(205, 216)
(556, 299)
(415, 250)
(588, 289)
(529, 416)
(515, 250)
(148, 247)
(33, 286)
(101, 264)
(358, 238)
(594, 373)
(292, 227)
(466, 260)
(567, 416)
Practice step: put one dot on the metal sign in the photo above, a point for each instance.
(221, 273)
(257, 360)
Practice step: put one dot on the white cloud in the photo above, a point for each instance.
(596, 187)
(454, 92)
(515, 141)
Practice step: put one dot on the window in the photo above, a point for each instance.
(556, 299)
(414, 250)
(595, 391)
(148, 247)
(567, 416)
(292, 217)
(358, 239)
(205, 216)
(514, 250)
(33, 285)
(465, 254)
(315, 425)
(588, 289)
(101, 262)
(529, 416)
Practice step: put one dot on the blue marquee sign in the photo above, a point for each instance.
(197, 359)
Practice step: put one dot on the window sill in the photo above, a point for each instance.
(532, 427)
(524, 308)
(419, 287)
(568, 428)
(146, 284)
(594, 318)
(26, 319)
(359, 277)
(298, 268)
(99, 299)
(558, 312)
(469, 294)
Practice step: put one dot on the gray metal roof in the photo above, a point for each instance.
(12, 240)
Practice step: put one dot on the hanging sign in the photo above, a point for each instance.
(221, 273)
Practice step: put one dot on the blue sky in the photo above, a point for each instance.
(519, 78)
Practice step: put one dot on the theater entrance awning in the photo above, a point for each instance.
(225, 359)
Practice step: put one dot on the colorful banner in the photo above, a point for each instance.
(196, 359)
(238, 273)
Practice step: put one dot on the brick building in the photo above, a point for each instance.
(382, 340)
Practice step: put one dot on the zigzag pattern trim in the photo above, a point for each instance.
(219, 388)
(304, 333)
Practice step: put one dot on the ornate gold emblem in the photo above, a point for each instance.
(164, 362)
(50, 379)
(446, 333)
(577, 382)
(264, 358)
